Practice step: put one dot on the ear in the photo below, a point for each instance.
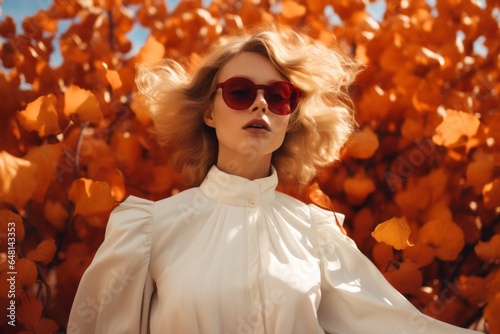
(208, 117)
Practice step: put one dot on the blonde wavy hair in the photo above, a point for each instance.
(317, 130)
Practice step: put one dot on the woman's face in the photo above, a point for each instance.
(250, 135)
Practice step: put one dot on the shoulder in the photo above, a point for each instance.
(326, 224)
(288, 202)
(311, 212)
(137, 208)
(181, 205)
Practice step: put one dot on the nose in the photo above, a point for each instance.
(260, 102)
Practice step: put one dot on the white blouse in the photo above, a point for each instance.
(236, 256)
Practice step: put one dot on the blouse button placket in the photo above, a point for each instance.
(255, 318)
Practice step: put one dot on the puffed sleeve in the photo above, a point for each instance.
(355, 296)
(115, 291)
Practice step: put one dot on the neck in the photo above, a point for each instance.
(258, 168)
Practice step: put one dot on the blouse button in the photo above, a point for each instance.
(252, 204)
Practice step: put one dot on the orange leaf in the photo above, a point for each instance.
(491, 194)
(383, 255)
(56, 214)
(26, 274)
(82, 104)
(438, 210)
(491, 312)
(152, 51)
(394, 232)
(363, 144)
(374, 95)
(316, 7)
(6, 217)
(139, 108)
(90, 197)
(480, 171)
(18, 180)
(44, 252)
(7, 27)
(473, 288)
(46, 325)
(45, 157)
(113, 176)
(406, 277)
(113, 77)
(41, 116)
(127, 150)
(292, 10)
(490, 250)
(318, 197)
(29, 311)
(455, 125)
(412, 129)
(358, 187)
(426, 96)
(446, 237)
(321, 199)
(420, 254)
(390, 58)
(493, 283)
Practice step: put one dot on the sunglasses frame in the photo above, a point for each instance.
(293, 89)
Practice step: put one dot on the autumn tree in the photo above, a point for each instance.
(419, 182)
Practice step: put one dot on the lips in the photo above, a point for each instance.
(258, 124)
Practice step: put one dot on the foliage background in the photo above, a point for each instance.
(424, 169)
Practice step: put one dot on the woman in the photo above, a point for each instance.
(233, 255)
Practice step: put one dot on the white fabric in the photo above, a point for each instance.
(236, 256)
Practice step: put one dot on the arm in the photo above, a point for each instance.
(356, 297)
(115, 291)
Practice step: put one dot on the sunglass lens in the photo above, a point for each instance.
(239, 93)
(280, 97)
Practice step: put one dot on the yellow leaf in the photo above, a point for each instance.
(394, 232)
(17, 181)
(90, 197)
(41, 116)
(455, 125)
(82, 104)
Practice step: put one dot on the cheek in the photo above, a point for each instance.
(280, 123)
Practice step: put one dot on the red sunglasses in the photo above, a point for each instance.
(239, 93)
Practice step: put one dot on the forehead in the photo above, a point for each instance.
(250, 65)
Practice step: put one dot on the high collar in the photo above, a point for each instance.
(239, 191)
